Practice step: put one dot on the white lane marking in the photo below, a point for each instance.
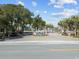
(40, 42)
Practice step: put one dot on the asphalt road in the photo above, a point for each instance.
(39, 51)
(53, 46)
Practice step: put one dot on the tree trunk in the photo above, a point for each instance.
(3, 36)
(75, 31)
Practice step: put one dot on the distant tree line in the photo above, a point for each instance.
(71, 24)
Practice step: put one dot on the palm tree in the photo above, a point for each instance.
(38, 23)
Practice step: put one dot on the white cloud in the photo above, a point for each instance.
(34, 3)
(20, 2)
(58, 6)
(37, 12)
(70, 1)
(57, 14)
(45, 12)
(70, 12)
(51, 2)
(66, 13)
(60, 3)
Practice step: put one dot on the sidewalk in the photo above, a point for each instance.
(53, 38)
(50, 37)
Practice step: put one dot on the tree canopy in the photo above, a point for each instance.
(14, 16)
(71, 23)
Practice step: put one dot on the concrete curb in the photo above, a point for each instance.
(38, 42)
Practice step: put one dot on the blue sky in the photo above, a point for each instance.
(52, 11)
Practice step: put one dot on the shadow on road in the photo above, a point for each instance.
(21, 35)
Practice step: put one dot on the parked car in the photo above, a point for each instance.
(15, 35)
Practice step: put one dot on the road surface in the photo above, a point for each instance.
(53, 46)
(39, 51)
